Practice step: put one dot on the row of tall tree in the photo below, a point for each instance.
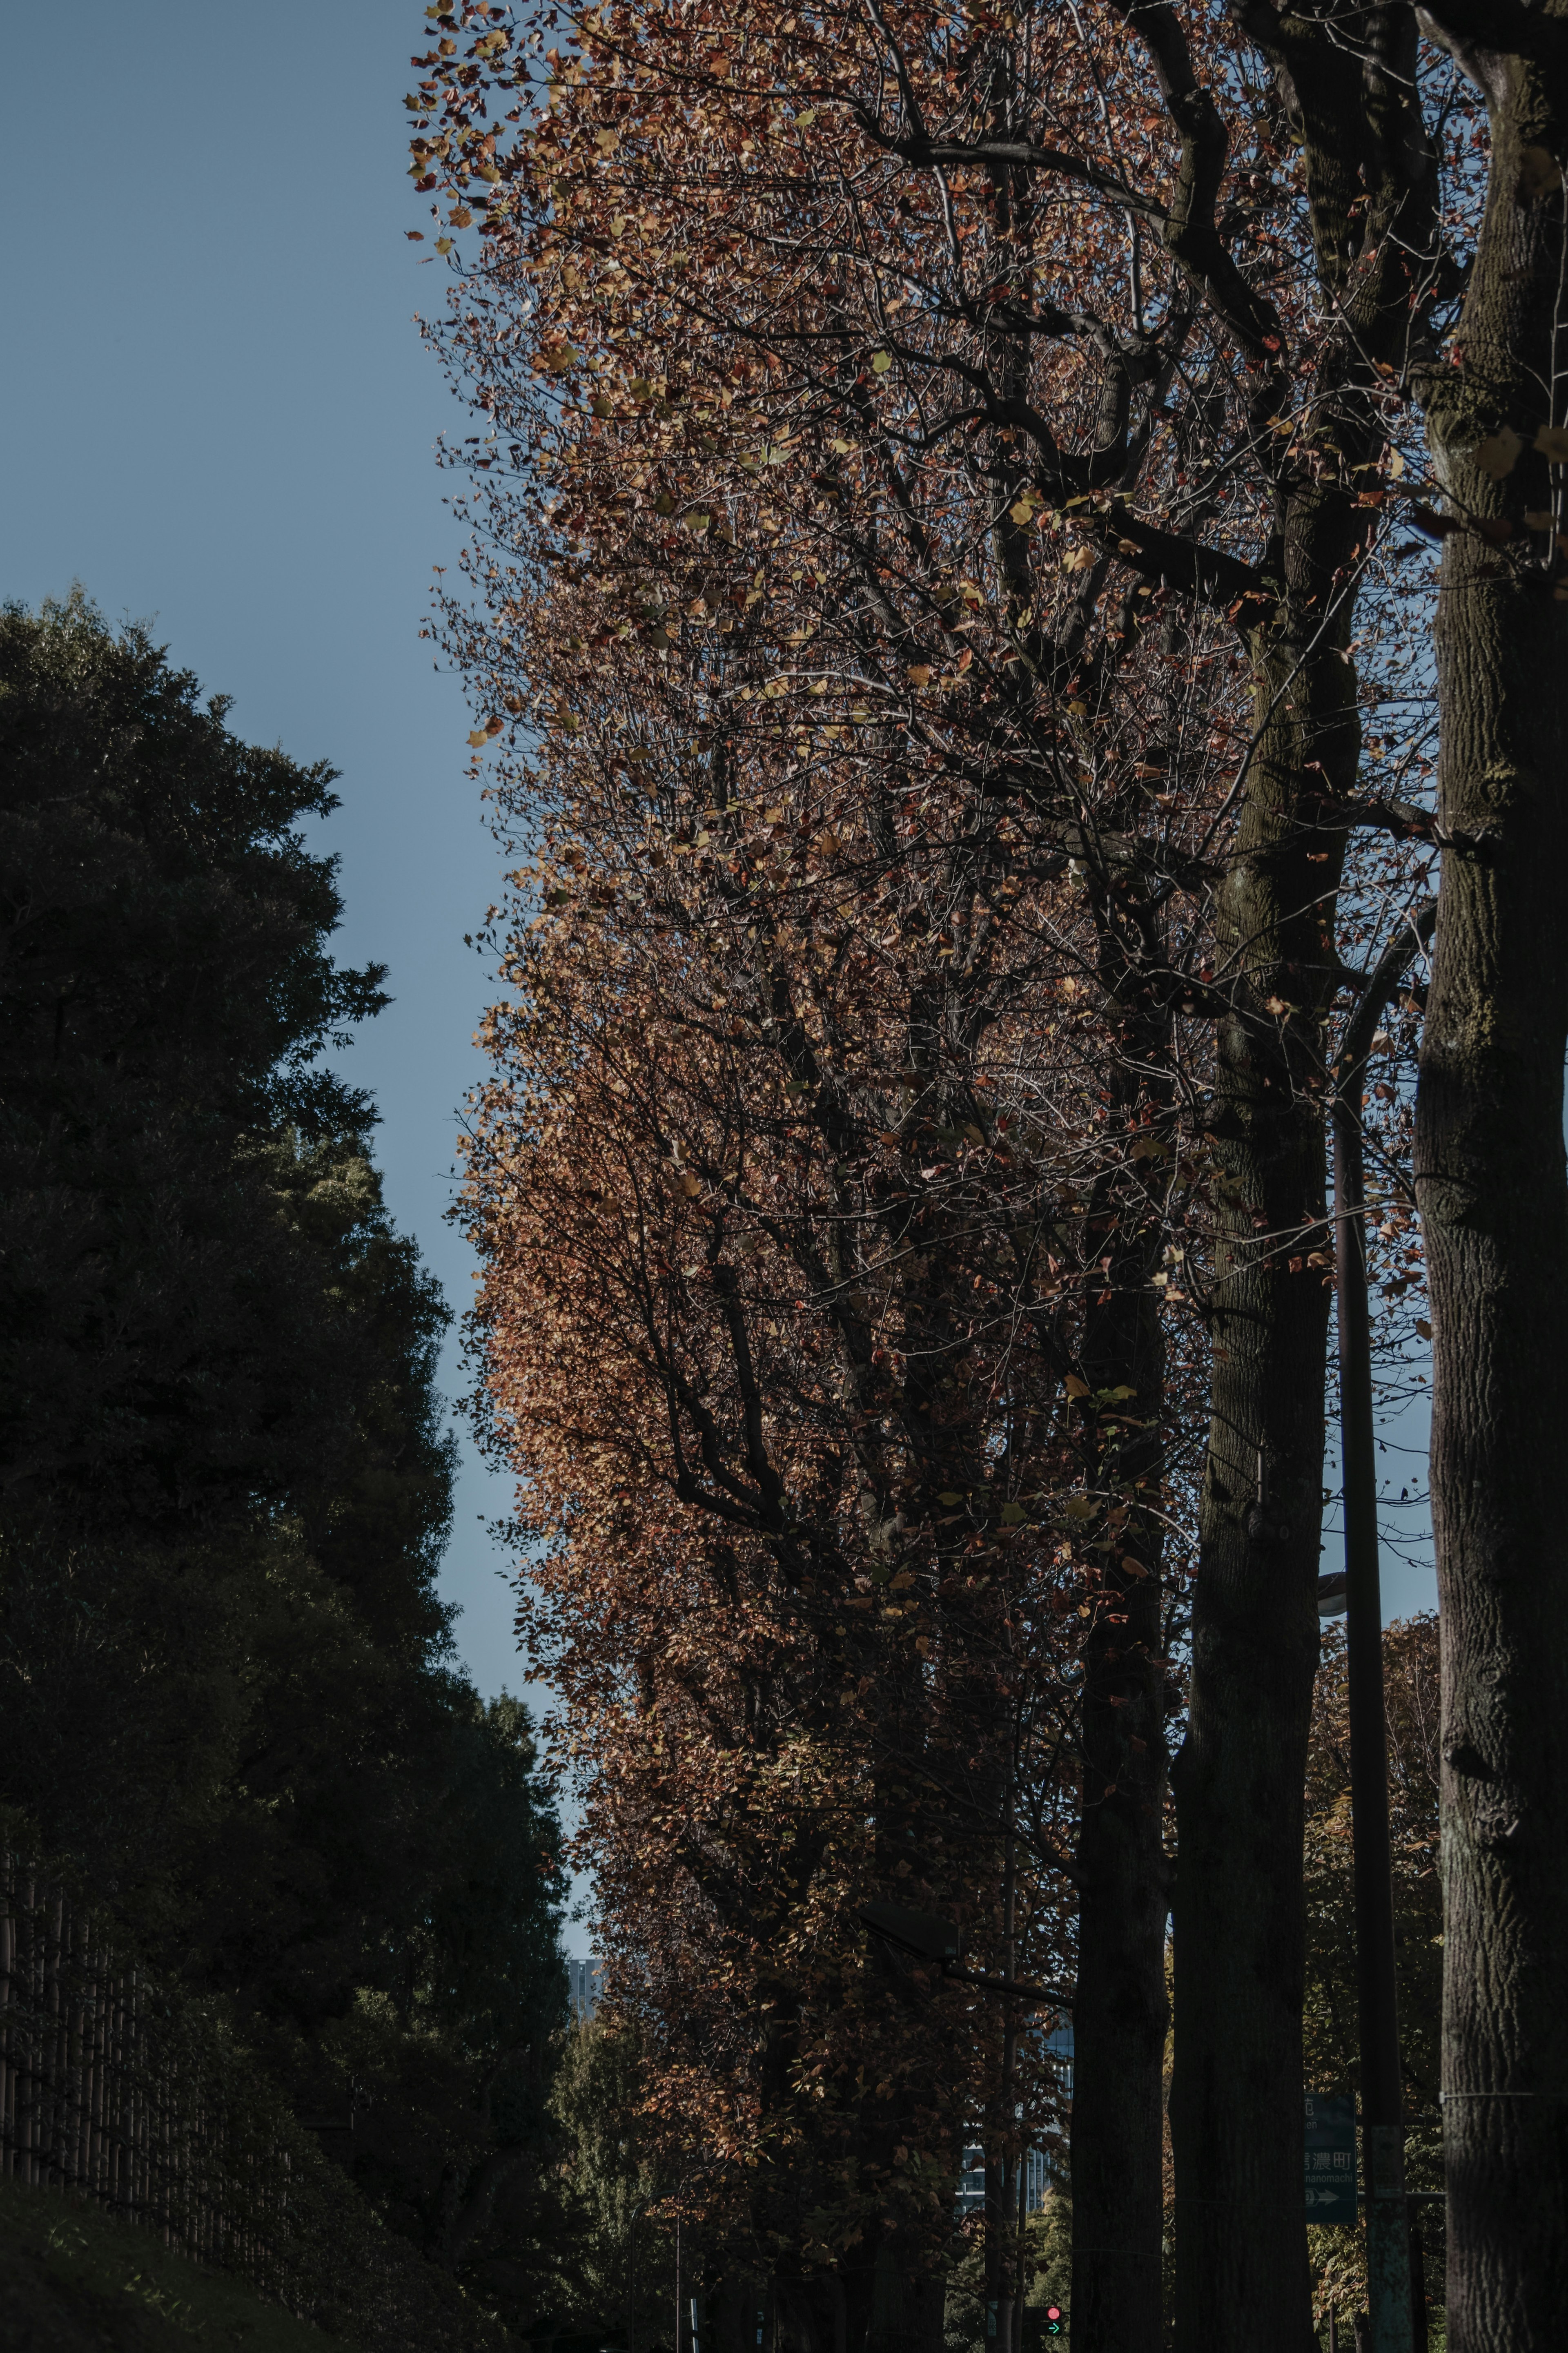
(948, 602)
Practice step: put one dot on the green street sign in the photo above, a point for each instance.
(1331, 2157)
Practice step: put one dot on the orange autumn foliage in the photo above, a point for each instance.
(871, 502)
(802, 1151)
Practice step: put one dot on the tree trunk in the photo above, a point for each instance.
(1121, 2013)
(1489, 1169)
(1235, 2104)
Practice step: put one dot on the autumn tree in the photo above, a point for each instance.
(1333, 2058)
(744, 1272)
(1120, 1808)
(899, 335)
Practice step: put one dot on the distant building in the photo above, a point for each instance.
(1037, 2165)
(971, 2181)
(584, 1984)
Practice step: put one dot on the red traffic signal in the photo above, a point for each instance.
(1056, 2320)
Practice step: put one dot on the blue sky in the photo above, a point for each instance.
(218, 415)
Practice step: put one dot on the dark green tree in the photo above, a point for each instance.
(228, 1703)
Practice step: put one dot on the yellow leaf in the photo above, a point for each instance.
(1012, 1515)
(476, 736)
(1538, 519)
(1395, 463)
(1077, 559)
(920, 674)
(1023, 512)
(950, 1496)
(1079, 1507)
(882, 363)
(1076, 1386)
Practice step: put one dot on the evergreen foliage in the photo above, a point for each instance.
(228, 1708)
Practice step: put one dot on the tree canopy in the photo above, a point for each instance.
(230, 1709)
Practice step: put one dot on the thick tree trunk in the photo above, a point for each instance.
(1489, 1169)
(1235, 2109)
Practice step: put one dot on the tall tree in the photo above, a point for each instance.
(1489, 1159)
(744, 1338)
(226, 1701)
(167, 989)
(930, 272)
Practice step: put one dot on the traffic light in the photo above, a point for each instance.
(1056, 2320)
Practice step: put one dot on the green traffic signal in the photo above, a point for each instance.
(1056, 2320)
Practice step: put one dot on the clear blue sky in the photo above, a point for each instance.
(217, 414)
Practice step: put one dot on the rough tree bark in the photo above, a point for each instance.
(1235, 2107)
(1489, 1174)
(1236, 2111)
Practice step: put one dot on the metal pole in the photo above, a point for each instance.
(1389, 2310)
